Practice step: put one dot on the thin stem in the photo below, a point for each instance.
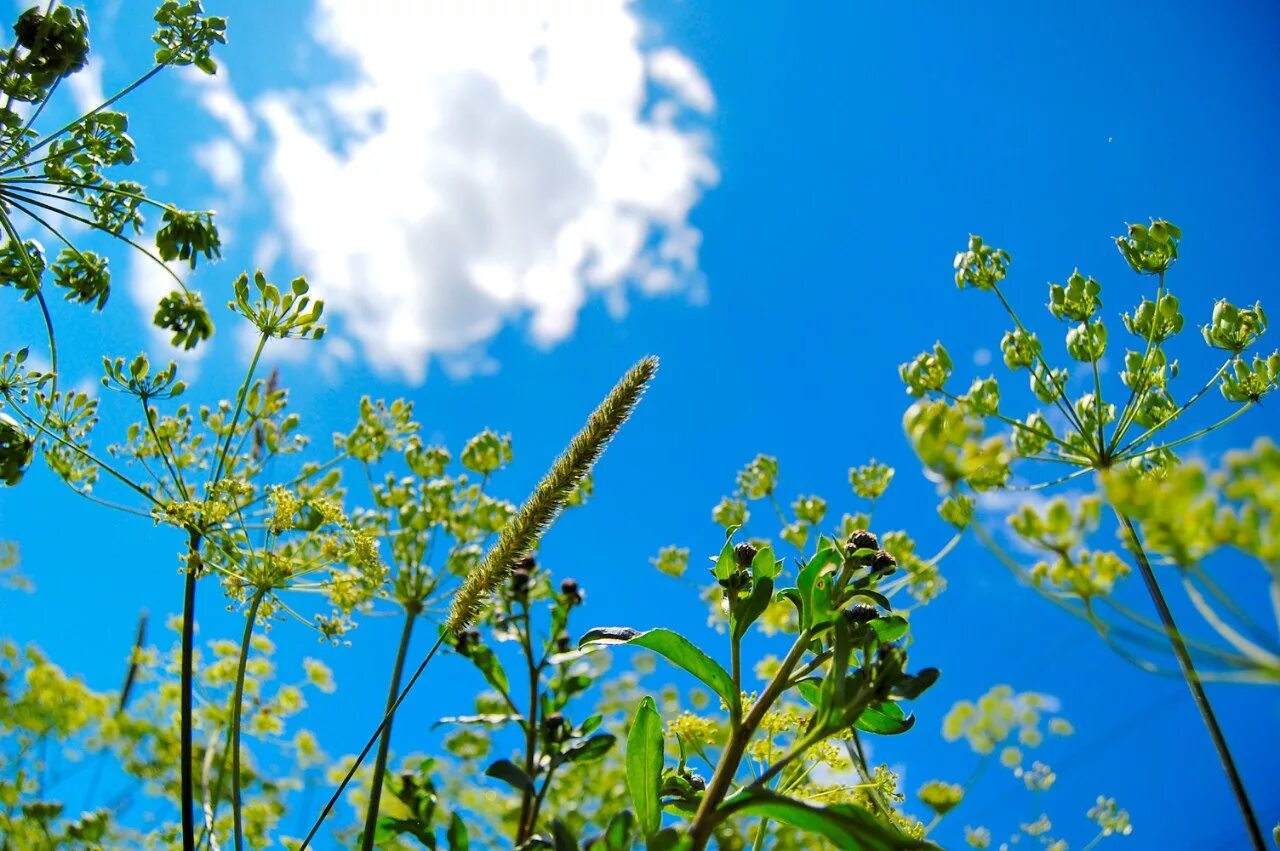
(1060, 400)
(1130, 409)
(1193, 683)
(534, 672)
(240, 397)
(1182, 409)
(188, 641)
(106, 103)
(1194, 436)
(384, 742)
(12, 233)
(237, 701)
(333, 799)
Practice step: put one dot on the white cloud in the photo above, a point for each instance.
(673, 69)
(224, 163)
(487, 163)
(86, 85)
(215, 93)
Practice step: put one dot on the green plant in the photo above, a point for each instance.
(1093, 435)
(845, 662)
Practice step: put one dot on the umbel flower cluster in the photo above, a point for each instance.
(1126, 434)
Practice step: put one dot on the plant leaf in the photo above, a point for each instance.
(889, 628)
(752, 607)
(845, 825)
(886, 718)
(675, 648)
(511, 774)
(588, 749)
(644, 766)
(456, 836)
(617, 836)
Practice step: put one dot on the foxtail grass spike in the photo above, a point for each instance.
(519, 536)
(542, 506)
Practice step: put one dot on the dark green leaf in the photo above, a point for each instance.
(511, 774)
(584, 750)
(564, 838)
(485, 659)
(617, 836)
(912, 686)
(644, 766)
(675, 648)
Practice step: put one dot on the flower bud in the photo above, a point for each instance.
(862, 540)
(884, 563)
(861, 613)
(572, 593)
(745, 554)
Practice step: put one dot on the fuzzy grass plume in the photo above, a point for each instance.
(549, 497)
(519, 536)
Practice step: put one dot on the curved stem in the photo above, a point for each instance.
(384, 743)
(1193, 683)
(237, 701)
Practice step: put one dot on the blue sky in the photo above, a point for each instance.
(832, 161)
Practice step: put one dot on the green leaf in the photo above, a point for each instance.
(456, 836)
(584, 750)
(676, 649)
(766, 565)
(617, 836)
(727, 563)
(886, 718)
(746, 612)
(487, 661)
(669, 839)
(845, 825)
(912, 686)
(810, 689)
(563, 837)
(644, 766)
(511, 774)
(889, 628)
(814, 584)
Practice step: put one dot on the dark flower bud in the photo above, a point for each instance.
(564, 643)
(745, 554)
(519, 581)
(862, 540)
(464, 641)
(884, 563)
(553, 724)
(861, 613)
(572, 593)
(697, 782)
(525, 564)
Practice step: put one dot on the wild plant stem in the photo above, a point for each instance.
(704, 821)
(355, 766)
(237, 702)
(384, 743)
(240, 397)
(188, 641)
(1193, 683)
(527, 814)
